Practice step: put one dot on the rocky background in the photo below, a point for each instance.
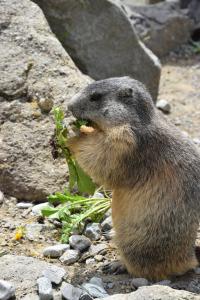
(49, 50)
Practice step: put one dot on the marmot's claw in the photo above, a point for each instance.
(73, 131)
(114, 267)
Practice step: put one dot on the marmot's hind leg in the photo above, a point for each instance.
(164, 270)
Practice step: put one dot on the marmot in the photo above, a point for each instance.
(152, 169)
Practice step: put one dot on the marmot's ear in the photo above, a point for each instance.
(126, 92)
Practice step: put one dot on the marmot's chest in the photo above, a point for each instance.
(136, 209)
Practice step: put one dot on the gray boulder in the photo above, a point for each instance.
(155, 292)
(23, 272)
(36, 73)
(162, 27)
(100, 39)
(193, 9)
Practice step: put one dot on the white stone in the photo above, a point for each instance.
(93, 231)
(69, 257)
(24, 205)
(54, 274)
(45, 288)
(69, 292)
(36, 210)
(55, 250)
(7, 290)
(164, 106)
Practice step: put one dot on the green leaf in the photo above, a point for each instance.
(55, 215)
(48, 210)
(79, 123)
(84, 182)
(59, 117)
(73, 177)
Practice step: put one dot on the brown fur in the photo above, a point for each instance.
(154, 173)
(133, 207)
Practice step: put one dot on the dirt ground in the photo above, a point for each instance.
(180, 86)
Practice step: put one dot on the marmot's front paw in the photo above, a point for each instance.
(115, 267)
(72, 131)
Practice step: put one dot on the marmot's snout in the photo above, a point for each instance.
(74, 106)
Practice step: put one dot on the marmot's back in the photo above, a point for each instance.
(153, 170)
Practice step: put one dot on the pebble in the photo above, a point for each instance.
(45, 104)
(93, 231)
(106, 225)
(164, 282)
(196, 141)
(44, 288)
(95, 288)
(24, 205)
(110, 285)
(96, 249)
(138, 282)
(98, 257)
(1, 197)
(90, 261)
(98, 195)
(69, 257)
(69, 292)
(36, 209)
(55, 250)
(9, 225)
(7, 290)
(194, 286)
(33, 231)
(54, 274)
(79, 242)
(164, 106)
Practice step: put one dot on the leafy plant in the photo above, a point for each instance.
(76, 175)
(73, 209)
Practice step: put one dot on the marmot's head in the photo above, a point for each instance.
(113, 102)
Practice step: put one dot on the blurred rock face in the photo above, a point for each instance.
(162, 27)
(101, 40)
(36, 73)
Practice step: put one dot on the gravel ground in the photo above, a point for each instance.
(180, 86)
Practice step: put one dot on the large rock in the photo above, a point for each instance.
(100, 39)
(194, 11)
(156, 292)
(36, 73)
(162, 27)
(193, 8)
(23, 272)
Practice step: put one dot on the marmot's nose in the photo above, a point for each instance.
(70, 106)
(72, 103)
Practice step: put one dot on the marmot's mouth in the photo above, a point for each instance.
(80, 122)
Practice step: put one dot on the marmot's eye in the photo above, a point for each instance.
(126, 93)
(95, 97)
